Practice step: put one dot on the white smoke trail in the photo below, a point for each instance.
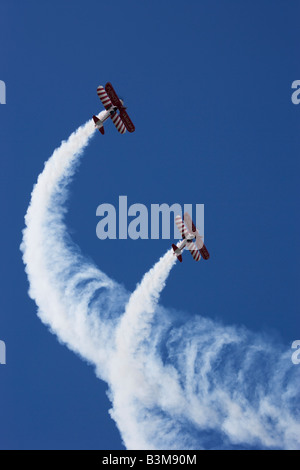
(201, 377)
(130, 385)
(174, 382)
(62, 283)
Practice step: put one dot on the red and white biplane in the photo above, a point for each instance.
(115, 110)
(189, 233)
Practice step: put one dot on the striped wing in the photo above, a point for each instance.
(199, 241)
(127, 121)
(189, 223)
(181, 227)
(194, 251)
(104, 97)
(118, 123)
(113, 95)
(204, 252)
(193, 230)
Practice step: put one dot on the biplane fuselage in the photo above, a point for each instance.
(104, 116)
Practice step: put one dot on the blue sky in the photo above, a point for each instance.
(208, 86)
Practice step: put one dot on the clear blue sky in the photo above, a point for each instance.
(208, 86)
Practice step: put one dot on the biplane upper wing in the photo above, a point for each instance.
(104, 97)
(190, 224)
(194, 251)
(113, 95)
(199, 242)
(127, 121)
(181, 227)
(193, 230)
(117, 102)
(204, 252)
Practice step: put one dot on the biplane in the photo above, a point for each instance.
(115, 110)
(191, 239)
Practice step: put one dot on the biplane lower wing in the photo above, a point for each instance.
(194, 251)
(104, 97)
(118, 123)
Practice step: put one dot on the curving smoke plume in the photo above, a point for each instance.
(173, 384)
